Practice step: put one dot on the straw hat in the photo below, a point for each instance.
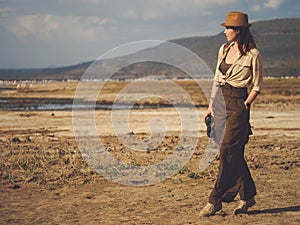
(236, 19)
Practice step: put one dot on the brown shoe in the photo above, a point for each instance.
(244, 206)
(210, 209)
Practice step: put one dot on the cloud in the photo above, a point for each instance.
(273, 3)
(50, 27)
(255, 8)
(92, 2)
(130, 14)
(79, 29)
(4, 12)
(165, 9)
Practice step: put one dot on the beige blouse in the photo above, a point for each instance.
(246, 71)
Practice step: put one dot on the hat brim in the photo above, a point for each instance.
(231, 25)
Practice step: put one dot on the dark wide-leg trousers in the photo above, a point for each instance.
(234, 176)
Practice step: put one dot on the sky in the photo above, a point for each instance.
(54, 33)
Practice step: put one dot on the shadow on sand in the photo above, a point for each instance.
(275, 210)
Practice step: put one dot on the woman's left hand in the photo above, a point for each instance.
(247, 105)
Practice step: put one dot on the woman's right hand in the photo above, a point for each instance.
(209, 111)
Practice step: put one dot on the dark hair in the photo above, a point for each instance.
(245, 39)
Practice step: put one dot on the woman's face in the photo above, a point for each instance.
(230, 33)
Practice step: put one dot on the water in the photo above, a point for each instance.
(48, 104)
(54, 104)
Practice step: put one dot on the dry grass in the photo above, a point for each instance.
(28, 160)
(47, 158)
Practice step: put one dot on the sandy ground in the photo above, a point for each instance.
(45, 179)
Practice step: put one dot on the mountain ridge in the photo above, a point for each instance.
(277, 40)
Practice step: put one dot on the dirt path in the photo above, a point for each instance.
(45, 180)
(62, 190)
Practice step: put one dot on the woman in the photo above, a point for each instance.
(239, 68)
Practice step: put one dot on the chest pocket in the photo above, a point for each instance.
(242, 68)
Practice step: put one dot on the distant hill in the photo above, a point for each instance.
(60, 73)
(277, 40)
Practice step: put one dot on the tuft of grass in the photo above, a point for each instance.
(24, 163)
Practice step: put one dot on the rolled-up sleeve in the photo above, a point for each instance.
(257, 70)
